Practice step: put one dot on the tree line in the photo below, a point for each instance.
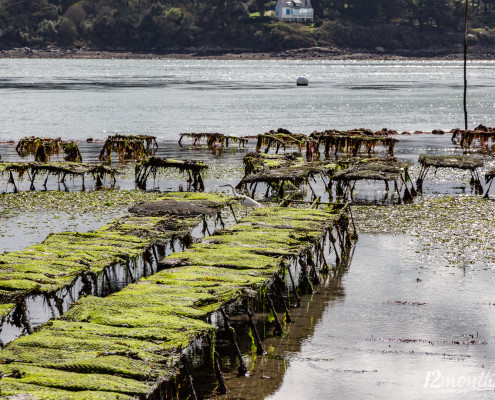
(165, 25)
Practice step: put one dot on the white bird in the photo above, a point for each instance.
(245, 201)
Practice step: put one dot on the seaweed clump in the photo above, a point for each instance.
(283, 138)
(44, 148)
(151, 165)
(214, 140)
(351, 142)
(355, 141)
(135, 147)
(482, 135)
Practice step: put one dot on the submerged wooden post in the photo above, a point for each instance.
(294, 288)
(242, 370)
(278, 326)
(278, 285)
(259, 346)
(221, 388)
(189, 377)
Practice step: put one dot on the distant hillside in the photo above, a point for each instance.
(172, 25)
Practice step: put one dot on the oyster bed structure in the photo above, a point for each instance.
(481, 137)
(278, 171)
(61, 170)
(128, 345)
(334, 142)
(151, 165)
(387, 170)
(489, 180)
(469, 163)
(44, 148)
(135, 147)
(70, 264)
(214, 140)
(355, 141)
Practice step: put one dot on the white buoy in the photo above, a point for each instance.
(302, 81)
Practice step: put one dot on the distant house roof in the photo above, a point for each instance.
(295, 3)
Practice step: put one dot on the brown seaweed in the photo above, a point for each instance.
(134, 147)
(150, 166)
(214, 140)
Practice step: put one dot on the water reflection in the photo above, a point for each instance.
(402, 329)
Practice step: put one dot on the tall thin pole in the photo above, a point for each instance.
(465, 65)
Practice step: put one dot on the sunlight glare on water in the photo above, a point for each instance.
(77, 99)
(398, 329)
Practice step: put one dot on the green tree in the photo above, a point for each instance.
(28, 13)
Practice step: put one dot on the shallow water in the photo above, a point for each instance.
(22, 230)
(396, 325)
(77, 99)
(390, 327)
(223, 167)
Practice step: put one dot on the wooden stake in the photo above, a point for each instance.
(242, 370)
(465, 65)
(279, 331)
(278, 285)
(259, 346)
(294, 288)
(189, 377)
(221, 388)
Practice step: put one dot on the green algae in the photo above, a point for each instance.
(70, 380)
(131, 339)
(459, 228)
(62, 257)
(158, 229)
(6, 309)
(12, 387)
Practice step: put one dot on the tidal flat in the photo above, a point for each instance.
(414, 305)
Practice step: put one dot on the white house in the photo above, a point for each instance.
(294, 10)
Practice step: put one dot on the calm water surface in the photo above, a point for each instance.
(395, 326)
(399, 328)
(77, 99)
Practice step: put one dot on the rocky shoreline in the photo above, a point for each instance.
(314, 53)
